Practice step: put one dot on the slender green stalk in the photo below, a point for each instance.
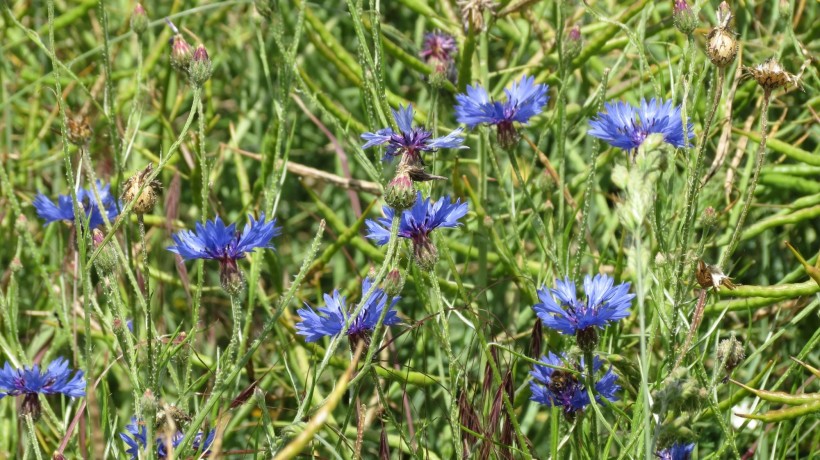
(452, 363)
(32, 437)
(749, 196)
(593, 421)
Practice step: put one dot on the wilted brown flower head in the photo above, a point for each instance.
(721, 45)
(472, 12)
(730, 353)
(712, 276)
(146, 200)
(770, 75)
(78, 128)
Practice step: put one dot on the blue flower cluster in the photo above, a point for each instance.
(677, 451)
(31, 382)
(626, 127)
(136, 434)
(410, 141)
(565, 388)
(64, 208)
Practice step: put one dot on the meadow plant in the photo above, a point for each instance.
(502, 208)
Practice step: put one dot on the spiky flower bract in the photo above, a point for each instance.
(569, 315)
(557, 387)
(417, 223)
(135, 438)
(625, 127)
(410, 141)
(677, 451)
(330, 321)
(64, 208)
(216, 241)
(32, 382)
(525, 99)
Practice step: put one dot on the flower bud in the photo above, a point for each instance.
(200, 68)
(106, 260)
(393, 283)
(730, 353)
(146, 200)
(684, 18)
(400, 193)
(709, 217)
(573, 43)
(438, 51)
(139, 20)
(149, 404)
(181, 53)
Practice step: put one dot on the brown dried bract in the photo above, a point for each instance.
(721, 45)
(712, 276)
(78, 129)
(770, 75)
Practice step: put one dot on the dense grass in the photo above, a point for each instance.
(276, 129)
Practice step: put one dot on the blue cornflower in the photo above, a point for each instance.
(330, 320)
(216, 241)
(525, 99)
(410, 141)
(64, 208)
(557, 387)
(416, 225)
(31, 382)
(626, 127)
(136, 434)
(677, 451)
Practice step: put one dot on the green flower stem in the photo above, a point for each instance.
(270, 323)
(452, 362)
(236, 338)
(392, 247)
(593, 419)
(749, 197)
(149, 316)
(32, 437)
(693, 187)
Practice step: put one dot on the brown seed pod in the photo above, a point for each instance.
(770, 75)
(146, 200)
(78, 128)
(721, 45)
(712, 276)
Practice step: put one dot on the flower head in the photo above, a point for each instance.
(557, 387)
(604, 303)
(525, 99)
(181, 53)
(135, 438)
(330, 321)
(410, 141)
(200, 68)
(770, 75)
(32, 381)
(64, 208)
(216, 241)
(626, 127)
(438, 46)
(417, 223)
(677, 451)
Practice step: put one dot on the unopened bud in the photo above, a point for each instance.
(573, 43)
(730, 353)
(149, 403)
(400, 193)
(684, 18)
(393, 283)
(145, 201)
(139, 19)
(709, 217)
(200, 68)
(181, 53)
(106, 260)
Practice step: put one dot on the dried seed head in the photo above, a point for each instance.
(78, 128)
(181, 53)
(684, 18)
(712, 276)
(146, 200)
(139, 20)
(721, 45)
(201, 68)
(730, 353)
(770, 75)
(472, 12)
